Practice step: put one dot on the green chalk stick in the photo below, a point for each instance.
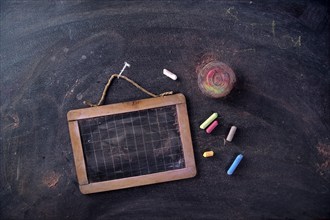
(209, 121)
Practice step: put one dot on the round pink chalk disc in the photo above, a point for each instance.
(216, 79)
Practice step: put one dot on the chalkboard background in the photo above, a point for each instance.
(55, 54)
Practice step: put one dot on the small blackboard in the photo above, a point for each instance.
(131, 144)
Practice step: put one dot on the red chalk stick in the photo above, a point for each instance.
(212, 126)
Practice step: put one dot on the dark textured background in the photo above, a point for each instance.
(55, 54)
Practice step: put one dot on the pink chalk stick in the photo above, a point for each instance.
(212, 126)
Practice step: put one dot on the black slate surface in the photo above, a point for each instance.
(131, 144)
(55, 54)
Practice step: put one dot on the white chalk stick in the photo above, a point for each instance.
(231, 133)
(122, 70)
(169, 74)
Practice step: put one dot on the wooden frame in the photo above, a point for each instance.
(190, 168)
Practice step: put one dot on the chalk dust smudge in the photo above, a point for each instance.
(324, 165)
(51, 179)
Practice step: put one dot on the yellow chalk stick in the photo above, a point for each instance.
(208, 121)
(208, 153)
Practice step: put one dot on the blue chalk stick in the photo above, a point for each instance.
(233, 167)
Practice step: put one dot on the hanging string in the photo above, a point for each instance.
(101, 101)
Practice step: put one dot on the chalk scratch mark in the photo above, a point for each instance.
(71, 90)
(230, 11)
(70, 34)
(248, 49)
(14, 122)
(18, 167)
(273, 27)
(244, 50)
(286, 42)
(296, 43)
